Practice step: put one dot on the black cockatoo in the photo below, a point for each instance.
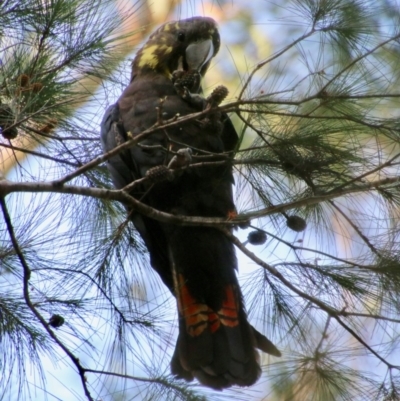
(216, 344)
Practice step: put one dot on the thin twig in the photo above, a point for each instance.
(157, 380)
(274, 57)
(26, 277)
(356, 60)
(38, 154)
(323, 335)
(322, 305)
(356, 229)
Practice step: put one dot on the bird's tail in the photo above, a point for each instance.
(216, 344)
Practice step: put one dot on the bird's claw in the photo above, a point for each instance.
(182, 158)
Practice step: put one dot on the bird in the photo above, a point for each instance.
(216, 343)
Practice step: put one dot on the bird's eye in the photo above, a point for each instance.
(181, 36)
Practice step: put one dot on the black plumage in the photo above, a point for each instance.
(216, 344)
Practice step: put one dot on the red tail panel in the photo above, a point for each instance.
(199, 317)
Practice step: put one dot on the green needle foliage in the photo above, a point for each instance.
(317, 174)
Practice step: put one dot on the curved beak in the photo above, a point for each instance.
(199, 53)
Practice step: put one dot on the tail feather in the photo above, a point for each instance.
(216, 347)
(216, 343)
(265, 345)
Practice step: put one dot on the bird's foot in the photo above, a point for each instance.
(182, 158)
(186, 84)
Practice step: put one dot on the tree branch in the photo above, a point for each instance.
(7, 187)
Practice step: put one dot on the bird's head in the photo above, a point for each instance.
(187, 45)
